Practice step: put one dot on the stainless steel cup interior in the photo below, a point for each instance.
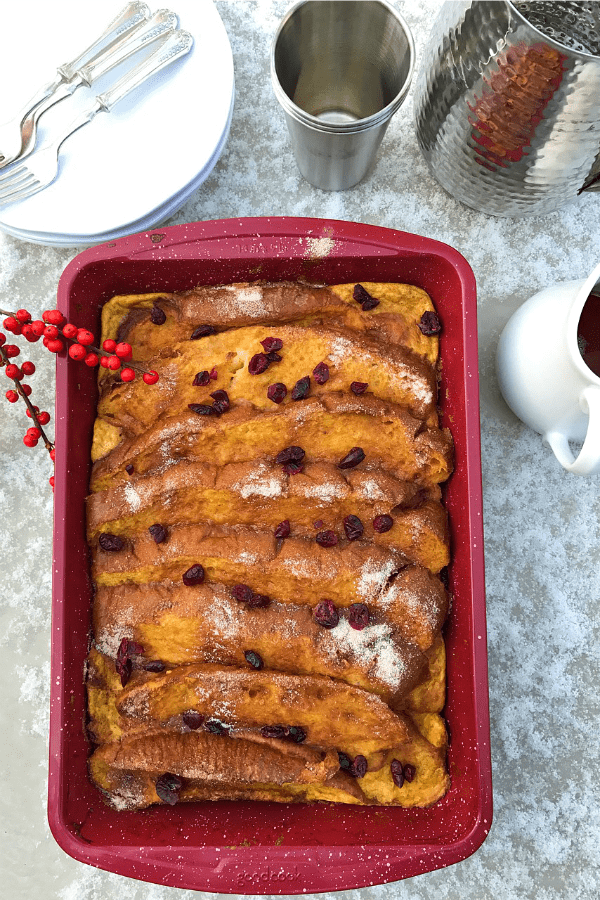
(340, 70)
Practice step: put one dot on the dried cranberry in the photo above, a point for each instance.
(430, 323)
(321, 373)
(111, 542)
(221, 403)
(271, 343)
(216, 727)
(276, 392)
(201, 379)
(381, 524)
(359, 387)
(258, 364)
(254, 659)
(202, 409)
(194, 575)
(362, 296)
(290, 454)
(129, 469)
(283, 529)
(129, 648)
(397, 772)
(359, 767)
(124, 669)
(259, 601)
(296, 733)
(158, 316)
(353, 527)
(345, 761)
(358, 616)
(213, 374)
(318, 524)
(326, 538)
(274, 731)
(158, 532)
(241, 592)
(193, 719)
(409, 772)
(293, 468)
(301, 388)
(274, 357)
(202, 331)
(154, 665)
(168, 787)
(326, 614)
(352, 458)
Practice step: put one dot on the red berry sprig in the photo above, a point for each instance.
(40, 418)
(55, 332)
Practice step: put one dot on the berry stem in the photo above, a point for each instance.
(5, 361)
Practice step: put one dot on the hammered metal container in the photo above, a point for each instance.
(507, 104)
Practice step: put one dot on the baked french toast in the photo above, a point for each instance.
(268, 541)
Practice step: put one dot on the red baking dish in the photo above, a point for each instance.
(269, 848)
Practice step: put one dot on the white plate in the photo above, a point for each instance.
(146, 223)
(126, 165)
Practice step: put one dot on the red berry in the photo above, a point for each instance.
(77, 351)
(12, 396)
(27, 368)
(51, 332)
(91, 359)
(23, 316)
(11, 350)
(36, 410)
(104, 362)
(213, 374)
(52, 454)
(123, 351)
(127, 374)
(38, 327)
(13, 372)
(85, 337)
(29, 334)
(34, 432)
(43, 418)
(53, 317)
(55, 346)
(13, 325)
(26, 388)
(150, 377)
(51, 481)
(2, 338)
(109, 345)
(114, 363)
(29, 440)
(69, 330)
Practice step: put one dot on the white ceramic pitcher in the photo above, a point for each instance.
(544, 377)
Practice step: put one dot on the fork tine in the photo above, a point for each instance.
(21, 195)
(12, 175)
(20, 191)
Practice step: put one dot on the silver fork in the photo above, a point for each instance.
(17, 136)
(25, 179)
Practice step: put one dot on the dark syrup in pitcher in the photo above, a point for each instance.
(588, 333)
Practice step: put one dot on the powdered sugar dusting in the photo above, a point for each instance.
(262, 483)
(317, 248)
(132, 497)
(373, 577)
(248, 301)
(373, 649)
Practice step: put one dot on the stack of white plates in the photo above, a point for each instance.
(132, 168)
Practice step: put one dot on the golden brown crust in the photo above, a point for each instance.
(241, 685)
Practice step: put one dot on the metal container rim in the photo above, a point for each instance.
(378, 118)
(578, 54)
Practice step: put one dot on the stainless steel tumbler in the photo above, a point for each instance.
(340, 70)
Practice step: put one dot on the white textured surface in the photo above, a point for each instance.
(542, 526)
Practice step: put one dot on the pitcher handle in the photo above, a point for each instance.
(588, 460)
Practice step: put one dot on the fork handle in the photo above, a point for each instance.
(172, 47)
(162, 22)
(130, 17)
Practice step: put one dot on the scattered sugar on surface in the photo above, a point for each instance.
(317, 248)
(326, 491)
(134, 501)
(259, 484)
(248, 301)
(372, 649)
(370, 490)
(373, 577)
